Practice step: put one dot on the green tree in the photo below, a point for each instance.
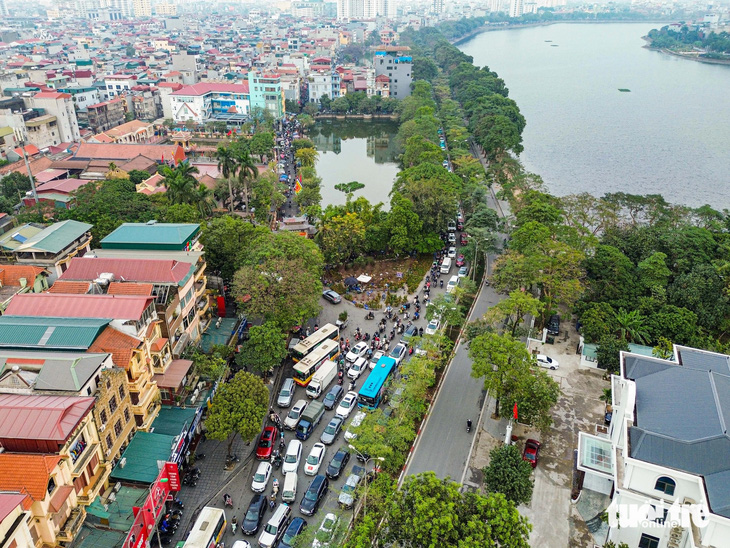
(179, 182)
(279, 279)
(15, 185)
(431, 512)
(607, 353)
(653, 271)
(611, 277)
(498, 358)
(238, 409)
(225, 239)
(513, 310)
(664, 349)
(247, 171)
(262, 144)
(631, 325)
(137, 176)
(341, 237)
(701, 290)
(535, 395)
(597, 320)
(264, 349)
(228, 167)
(404, 226)
(208, 366)
(307, 156)
(182, 213)
(508, 473)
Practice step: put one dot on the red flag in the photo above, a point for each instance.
(514, 411)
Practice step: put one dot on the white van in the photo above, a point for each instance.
(446, 266)
(275, 527)
(289, 491)
(453, 282)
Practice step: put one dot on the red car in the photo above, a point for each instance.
(531, 452)
(464, 238)
(459, 225)
(268, 439)
(460, 260)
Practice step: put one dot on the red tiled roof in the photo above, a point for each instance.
(10, 274)
(128, 288)
(8, 503)
(51, 95)
(27, 474)
(118, 344)
(51, 418)
(165, 271)
(69, 288)
(103, 151)
(156, 346)
(209, 87)
(117, 307)
(36, 166)
(30, 150)
(62, 186)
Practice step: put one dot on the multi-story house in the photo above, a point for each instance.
(147, 105)
(663, 457)
(42, 131)
(61, 106)
(14, 521)
(8, 141)
(323, 80)
(16, 279)
(131, 132)
(106, 115)
(266, 93)
(119, 84)
(395, 63)
(82, 97)
(208, 101)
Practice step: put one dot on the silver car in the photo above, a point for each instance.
(331, 431)
(286, 394)
(347, 495)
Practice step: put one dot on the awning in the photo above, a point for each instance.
(350, 281)
(175, 374)
(158, 345)
(60, 497)
(364, 278)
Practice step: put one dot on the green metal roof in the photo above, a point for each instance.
(5, 131)
(50, 333)
(170, 420)
(141, 456)
(55, 238)
(156, 236)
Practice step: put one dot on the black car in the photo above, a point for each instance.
(254, 515)
(313, 496)
(296, 526)
(333, 396)
(337, 464)
(553, 326)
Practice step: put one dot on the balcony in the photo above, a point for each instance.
(84, 459)
(200, 286)
(150, 391)
(203, 306)
(73, 525)
(96, 482)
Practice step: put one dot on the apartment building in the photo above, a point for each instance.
(395, 63)
(206, 101)
(106, 115)
(61, 106)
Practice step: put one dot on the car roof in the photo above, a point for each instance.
(317, 481)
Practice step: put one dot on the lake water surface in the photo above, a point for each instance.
(670, 135)
(356, 150)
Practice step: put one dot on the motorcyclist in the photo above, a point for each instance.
(468, 425)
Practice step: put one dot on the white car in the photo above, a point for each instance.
(261, 477)
(433, 326)
(376, 356)
(547, 362)
(452, 253)
(357, 368)
(292, 457)
(354, 423)
(292, 418)
(357, 351)
(399, 352)
(452, 237)
(315, 459)
(347, 404)
(325, 531)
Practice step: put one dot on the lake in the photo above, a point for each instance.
(356, 150)
(670, 135)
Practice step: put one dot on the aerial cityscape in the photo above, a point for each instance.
(357, 273)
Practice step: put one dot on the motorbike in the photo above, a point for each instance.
(178, 502)
(340, 377)
(227, 500)
(189, 481)
(416, 315)
(366, 338)
(468, 425)
(200, 456)
(370, 316)
(234, 524)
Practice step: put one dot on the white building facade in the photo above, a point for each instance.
(209, 101)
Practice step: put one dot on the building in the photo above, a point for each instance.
(131, 132)
(516, 8)
(265, 93)
(119, 84)
(438, 6)
(154, 236)
(8, 141)
(323, 80)
(166, 9)
(61, 106)
(53, 247)
(58, 192)
(206, 101)
(395, 63)
(142, 8)
(661, 459)
(17, 279)
(122, 154)
(4, 8)
(106, 115)
(14, 521)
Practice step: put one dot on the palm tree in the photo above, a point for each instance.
(247, 171)
(631, 326)
(205, 200)
(228, 167)
(180, 183)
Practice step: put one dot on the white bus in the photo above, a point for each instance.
(311, 343)
(208, 529)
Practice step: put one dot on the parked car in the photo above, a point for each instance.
(292, 418)
(314, 494)
(269, 436)
(286, 394)
(241, 544)
(547, 362)
(254, 514)
(357, 351)
(553, 326)
(459, 225)
(410, 332)
(331, 431)
(445, 163)
(314, 460)
(261, 477)
(357, 368)
(326, 531)
(347, 404)
(399, 352)
(347, 495)
(464, 238)
(452, 237)
(531, 452)
(332, 296)
(333, 396)
(296, 526)
(460, 260)
(433, 326)
(292, 457)
(354, 423)
(375, 357)
(337, 464)
(452, 253)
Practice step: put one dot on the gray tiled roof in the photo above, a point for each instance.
(682, 417)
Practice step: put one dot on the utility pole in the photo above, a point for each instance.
(30, 175)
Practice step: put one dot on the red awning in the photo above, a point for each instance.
(175, 374)
(60, 496)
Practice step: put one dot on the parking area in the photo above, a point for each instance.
(556, 522)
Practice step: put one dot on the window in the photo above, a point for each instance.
(122, 393)
(647, 541)
(109, 441)
(126, 414)
(102, 416)
(108, 384)
(112, 404)
(665, 485)
(118, 428)
(51, 485)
